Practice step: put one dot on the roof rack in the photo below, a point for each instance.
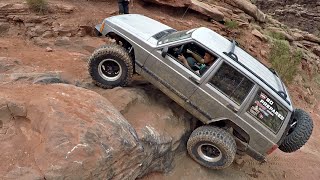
(234, 57)
(282, 93)
(231, 52)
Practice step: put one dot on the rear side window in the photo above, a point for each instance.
(267, 111)
(231, 83)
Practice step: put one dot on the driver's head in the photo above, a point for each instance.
(208, 58)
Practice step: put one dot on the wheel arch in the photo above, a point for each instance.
(124, 43)
(238, 132)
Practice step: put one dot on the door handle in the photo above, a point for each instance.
(232, 108)
(194, 80)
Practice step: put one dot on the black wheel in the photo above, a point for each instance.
(299, 133)
(110, 66)
(212, 147)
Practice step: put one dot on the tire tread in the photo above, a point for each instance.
(115, 51)
(301, 133)
(214, 135)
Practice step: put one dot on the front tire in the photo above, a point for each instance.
(110, 66)
(212, 147)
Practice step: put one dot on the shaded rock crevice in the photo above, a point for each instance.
(161, 125)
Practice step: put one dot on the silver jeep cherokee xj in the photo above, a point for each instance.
(243, 105)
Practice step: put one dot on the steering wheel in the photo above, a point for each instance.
(178, 51)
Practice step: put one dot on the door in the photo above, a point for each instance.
(223, 92)
(174, 74)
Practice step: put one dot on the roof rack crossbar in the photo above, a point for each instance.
(233, 46)
(282, 93)
(274, 71)
(231, 53)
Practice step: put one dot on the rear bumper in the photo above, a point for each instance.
(244, 147)
(255, 155)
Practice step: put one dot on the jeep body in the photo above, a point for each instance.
(237, 91)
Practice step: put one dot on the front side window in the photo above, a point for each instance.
(192, 56)
(267, 111)
(231, 83)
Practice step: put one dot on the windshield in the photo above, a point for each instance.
(176, 36)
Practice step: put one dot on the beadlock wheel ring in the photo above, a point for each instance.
(209, 152)
(109, 69)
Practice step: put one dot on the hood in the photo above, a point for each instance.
(141, 26)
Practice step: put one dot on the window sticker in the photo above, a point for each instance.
(266, 110)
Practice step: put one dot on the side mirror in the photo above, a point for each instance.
(164, 51)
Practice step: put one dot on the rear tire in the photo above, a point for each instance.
(299, 133)
(110, 66)
(212, 147)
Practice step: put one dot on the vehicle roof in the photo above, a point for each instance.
(220, 44)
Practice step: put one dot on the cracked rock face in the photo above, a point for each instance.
(62, 131)
(302, 14)
(215, 9)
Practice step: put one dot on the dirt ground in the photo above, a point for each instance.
(71, 60)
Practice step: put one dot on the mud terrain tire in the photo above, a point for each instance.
(299, 134)
(110, 66)
(212, 147)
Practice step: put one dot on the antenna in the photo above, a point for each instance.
(185, 12)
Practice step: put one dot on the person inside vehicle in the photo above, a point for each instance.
(196, 62)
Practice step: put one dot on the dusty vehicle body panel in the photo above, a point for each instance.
(193, 92)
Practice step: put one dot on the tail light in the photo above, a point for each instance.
(274, 147)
